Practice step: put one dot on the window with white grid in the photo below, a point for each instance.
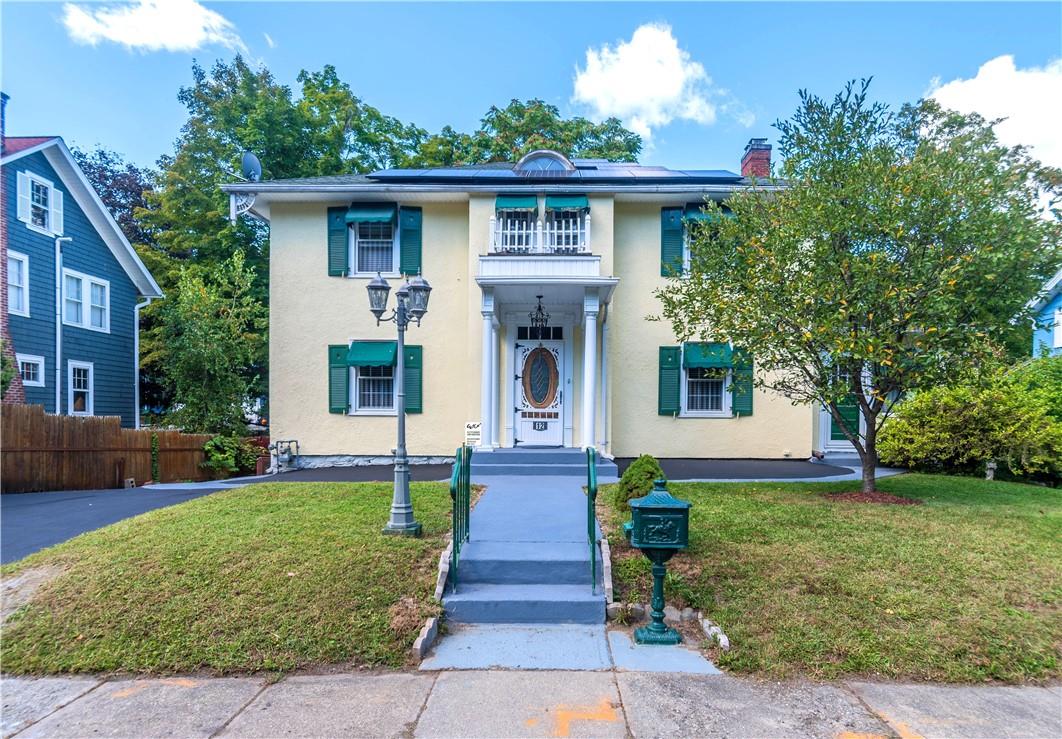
(31, 369)
(374, 389)
(706, 391)
(79, 388)
(86, 301)
(17, 284)
(374, 248)
(40, 196)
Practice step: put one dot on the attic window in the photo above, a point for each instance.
(544, 163)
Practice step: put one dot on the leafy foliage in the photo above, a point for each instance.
(636, 481)
(7, 370)
(903, 245)
(1013, 417)
(228, 454)
(214, 328)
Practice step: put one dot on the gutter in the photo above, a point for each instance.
(263, 188)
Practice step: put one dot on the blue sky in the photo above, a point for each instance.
(725, 71)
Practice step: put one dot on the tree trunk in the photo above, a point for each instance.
(869, 457)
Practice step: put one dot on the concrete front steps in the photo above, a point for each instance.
(538, 461)
(525, 582)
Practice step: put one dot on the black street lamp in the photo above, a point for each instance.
(411, 303)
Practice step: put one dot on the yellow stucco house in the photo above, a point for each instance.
(585, 241)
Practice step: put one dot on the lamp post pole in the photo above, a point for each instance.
(411, 303)
(402, 521)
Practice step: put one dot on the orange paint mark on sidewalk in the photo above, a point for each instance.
(603, 711)
(142, 685)
(859, 735)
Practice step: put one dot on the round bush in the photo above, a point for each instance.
(636, 481)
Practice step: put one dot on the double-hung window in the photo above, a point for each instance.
(31, 369)
(707, 379)
(18, 284)
(374, 247)
(79, 388)
(374, 389)
(86, 301)
(40, 205)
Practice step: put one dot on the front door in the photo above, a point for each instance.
(540, 393)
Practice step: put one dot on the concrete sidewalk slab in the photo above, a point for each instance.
(521, 647)
(180, 707)
(519, 704)
(669, 706)
(965, 712)
(27, 700)
(657, 658)
(333, 706)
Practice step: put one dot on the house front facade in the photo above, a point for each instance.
(1047, 319)
(74, 347)
(539, 325)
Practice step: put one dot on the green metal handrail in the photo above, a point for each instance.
(591, 513)
(461, 495)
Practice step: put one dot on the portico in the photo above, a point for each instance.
(544, 385)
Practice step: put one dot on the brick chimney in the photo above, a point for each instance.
(757, 159)
(3, 115)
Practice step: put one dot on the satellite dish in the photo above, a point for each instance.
(252, 168)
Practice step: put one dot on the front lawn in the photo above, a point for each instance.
(266, 577)
(965, 587)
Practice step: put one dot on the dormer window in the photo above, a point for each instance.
(544, 163)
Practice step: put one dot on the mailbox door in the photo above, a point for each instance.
(662, 529)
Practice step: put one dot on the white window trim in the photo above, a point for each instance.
(30, 179)
(70, 365)
(19, 257)
(31, 359)
(352, 384)
(728, 396)
(352, 253)
(86, 301)
(1056, 338)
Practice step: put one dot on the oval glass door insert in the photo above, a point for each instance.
(540, 378)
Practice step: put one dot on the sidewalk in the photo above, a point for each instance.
(501, 703)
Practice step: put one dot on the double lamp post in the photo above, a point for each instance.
(411, 303)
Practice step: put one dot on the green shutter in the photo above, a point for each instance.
(338, 242)
(670, 241)
(414, 379)
(669, 381)
(742, 390)
(338, 379)
(411, 237)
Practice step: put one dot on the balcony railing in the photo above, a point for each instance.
(558, 233)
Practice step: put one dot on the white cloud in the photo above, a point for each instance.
(152, 25)
(269, 40)
(1030, 99)
(649, 81)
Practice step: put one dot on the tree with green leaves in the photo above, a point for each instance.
(214, 328)
(894, 248)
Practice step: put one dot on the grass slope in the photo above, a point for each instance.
(967, 587)
(266, 577)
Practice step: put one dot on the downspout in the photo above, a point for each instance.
(59, 241)
(136, 360)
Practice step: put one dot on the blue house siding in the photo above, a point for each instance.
(111, 354)
(1043, 333)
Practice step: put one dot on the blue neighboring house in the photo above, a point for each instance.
(56, 228)
(1047, 313)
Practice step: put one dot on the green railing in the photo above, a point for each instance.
(591, 513)
(461, 495)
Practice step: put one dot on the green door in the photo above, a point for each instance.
(850, 413)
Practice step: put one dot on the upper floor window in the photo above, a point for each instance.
(374, 247)
(40, 205)
(86, 301)
(18, 284)
(544, 163)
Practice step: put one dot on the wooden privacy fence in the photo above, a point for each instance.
(43, 452)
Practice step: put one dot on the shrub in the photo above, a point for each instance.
(637, 480)
(228, 454)
(1012, 417)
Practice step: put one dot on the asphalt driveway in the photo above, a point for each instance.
(30, 522)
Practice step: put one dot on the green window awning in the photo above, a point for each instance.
(693, 212)
(712, 354)
(372, 354)
(567, 202)
(371, 213)
(516, 202)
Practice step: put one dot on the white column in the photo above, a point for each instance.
(590, 309)
(495, 371)
(604, 380)
(487, 373)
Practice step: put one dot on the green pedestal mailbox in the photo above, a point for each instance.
(659, 526)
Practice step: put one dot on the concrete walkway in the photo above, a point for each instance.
(493, 703)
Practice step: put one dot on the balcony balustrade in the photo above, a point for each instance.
(560, 232)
